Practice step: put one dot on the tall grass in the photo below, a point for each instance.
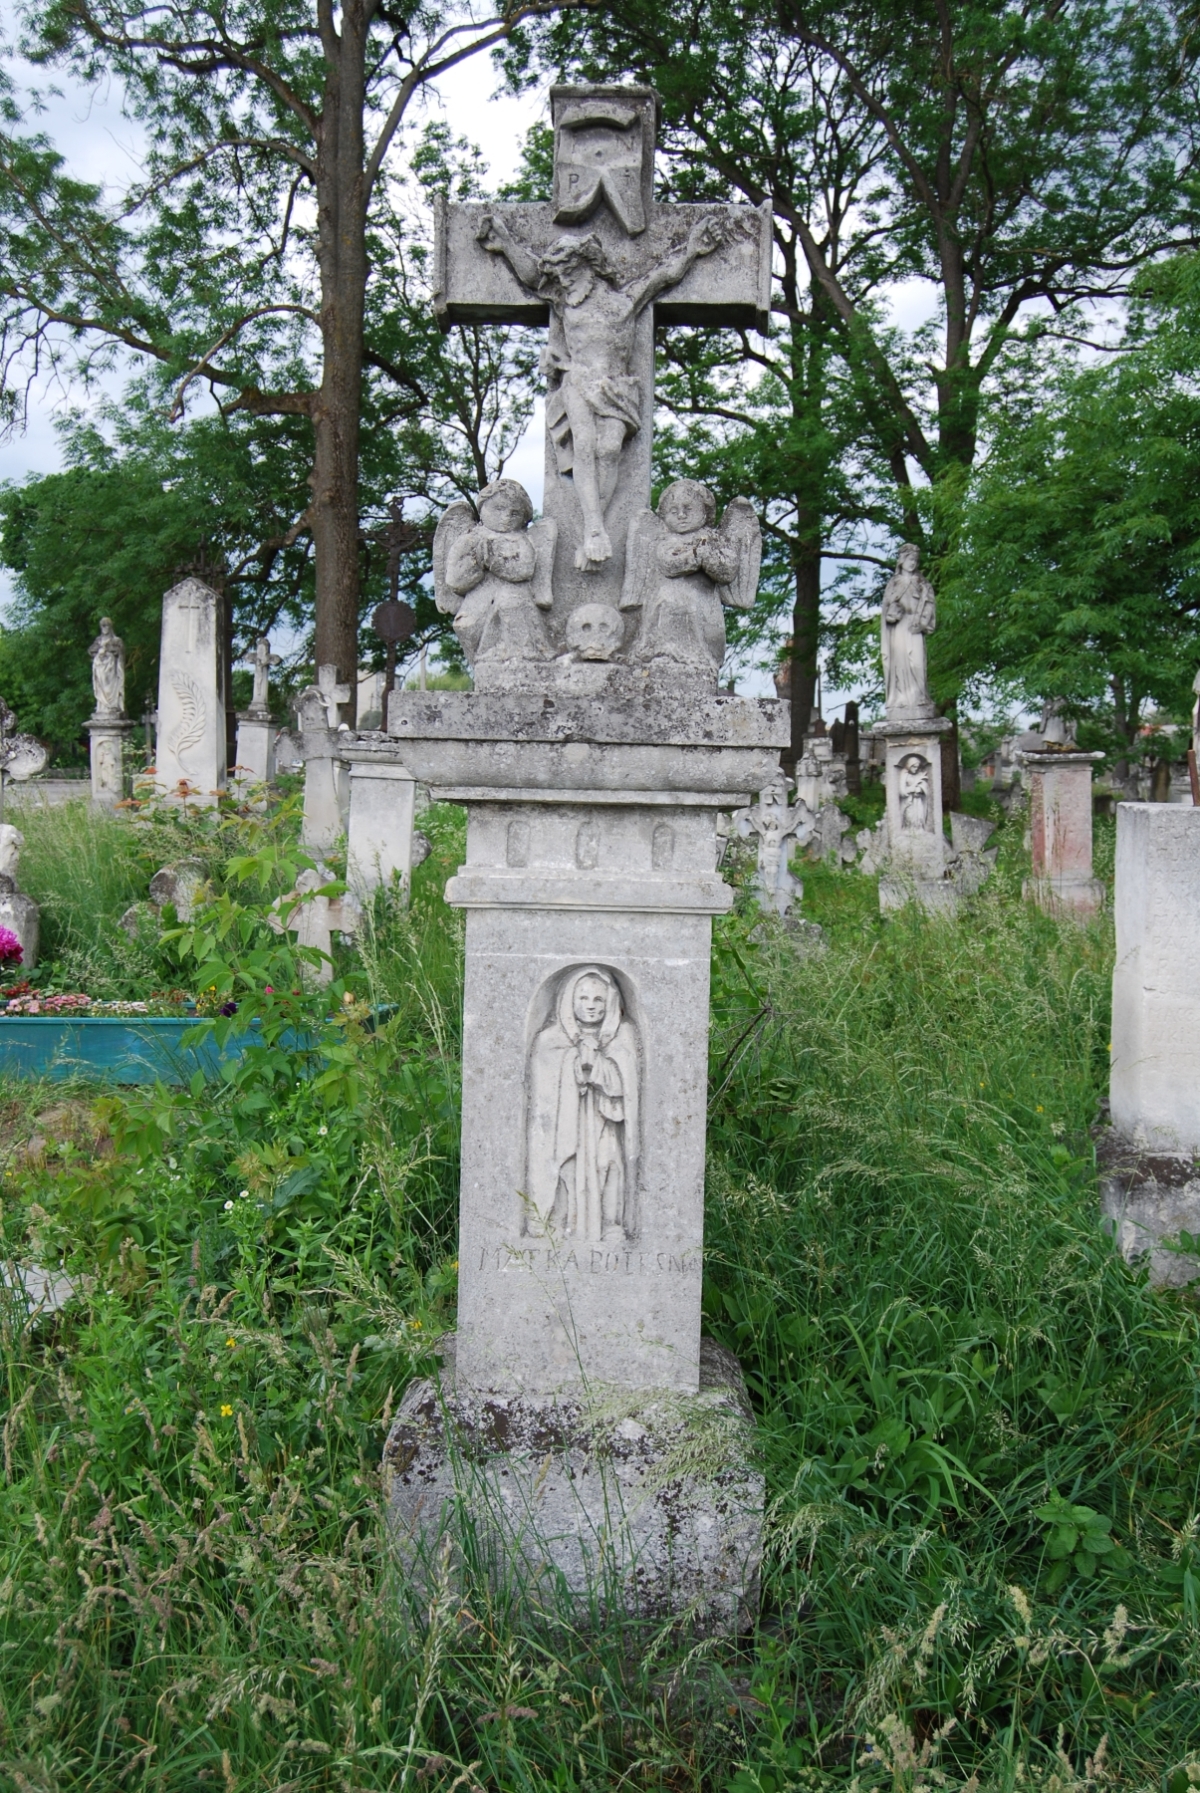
(903, 1249)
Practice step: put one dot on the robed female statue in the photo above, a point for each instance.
(108, 670)
(909, 615)
(583, 1114)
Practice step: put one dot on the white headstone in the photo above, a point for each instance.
(190, 759)
(326, 780)
(379, 836)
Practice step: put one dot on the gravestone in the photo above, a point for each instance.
(108, 727)
(911, 732)
(1150, 1158)
(379, 831)
(256, 732)
(316, 917)
(778, 829)
(580, 1428)
(190, 760)
(18, 912)
(326, 780)
(1060, 831)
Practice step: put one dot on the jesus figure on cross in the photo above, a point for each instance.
(593, 403)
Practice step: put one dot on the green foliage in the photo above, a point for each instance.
(1075, 573)
(978, 1425)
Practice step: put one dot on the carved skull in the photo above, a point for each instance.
(594, 631)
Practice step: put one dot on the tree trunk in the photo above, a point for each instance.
(806, 623)
(342, 259)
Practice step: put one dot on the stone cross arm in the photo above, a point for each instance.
(731, 286)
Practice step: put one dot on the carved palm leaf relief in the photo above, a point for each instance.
(193, 718)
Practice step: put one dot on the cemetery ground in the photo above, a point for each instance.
(980, 1428)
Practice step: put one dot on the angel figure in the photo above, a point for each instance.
(108, 670)
(583, 1113)
(909, 615)
(491, 573)
(680, 572)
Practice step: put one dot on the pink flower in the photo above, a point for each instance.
(10, 948)
(269, 990)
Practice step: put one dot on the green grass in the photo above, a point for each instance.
(903, 1249)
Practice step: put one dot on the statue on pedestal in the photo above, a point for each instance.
(909, 615)
(108, 673)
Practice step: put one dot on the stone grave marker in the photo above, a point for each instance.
(190, 761)
(594, 757)
(108, 727)
(256, 732)
(1060, 830)
(912, 732)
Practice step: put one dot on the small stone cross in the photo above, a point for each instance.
(602, 264)
(774, 822)
(333, 693)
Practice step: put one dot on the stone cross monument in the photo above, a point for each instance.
(600, 264)
(256, 732)
(593, 757)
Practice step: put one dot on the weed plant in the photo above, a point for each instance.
(980, 1428)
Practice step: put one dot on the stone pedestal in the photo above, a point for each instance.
(1060, 832)
(107, 754)
(255, 747)
(379, 837)
(589, 889)
(1154, 1084)
(916, 843)
(651, 1505)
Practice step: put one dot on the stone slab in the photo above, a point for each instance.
(644, 1506)
(256, 748)
(632, 719)
(190, 746)
(1154, 1086)
(379, 836)
(913, 781)
(1060, 832)
(21, 916)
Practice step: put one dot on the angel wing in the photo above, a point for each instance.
(544, 536)
(740, 524)
(644, 533)
(453, 523)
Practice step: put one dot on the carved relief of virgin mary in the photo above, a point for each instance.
(584, 1114)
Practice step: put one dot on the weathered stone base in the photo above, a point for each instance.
(620, 1499)
(1147, 1199)
(938, 895)
(1077, 898)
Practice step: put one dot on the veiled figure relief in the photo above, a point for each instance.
(584, 1120)
(916, 800)
(681, 572)
(491, 573)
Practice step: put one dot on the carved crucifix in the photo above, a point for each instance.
(601, 264)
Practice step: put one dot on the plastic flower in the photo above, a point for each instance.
(11, 952)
